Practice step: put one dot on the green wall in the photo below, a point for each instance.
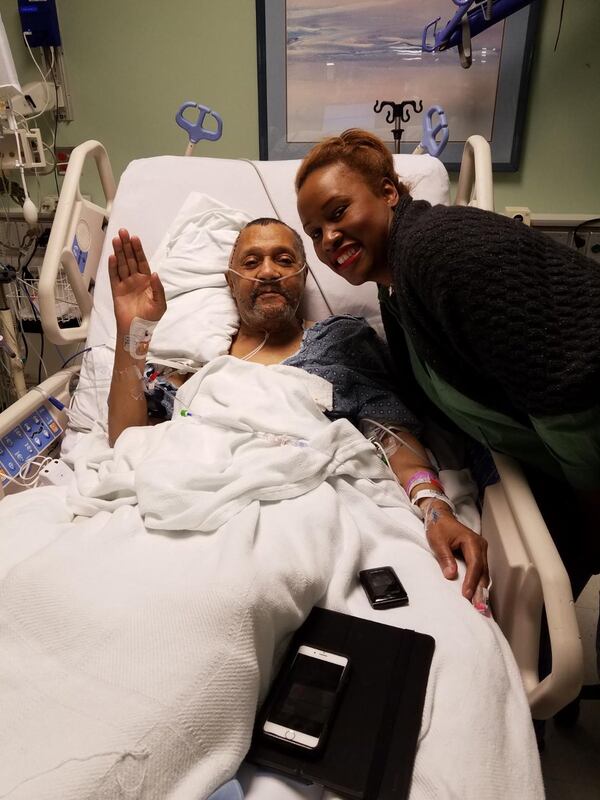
(560, 164)
(131, 63)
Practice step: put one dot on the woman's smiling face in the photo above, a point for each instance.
(347, 222)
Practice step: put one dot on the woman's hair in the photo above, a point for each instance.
(359, 150)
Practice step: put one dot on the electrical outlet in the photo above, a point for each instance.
(562, 236)
(62, 159)
(521, 213)
(49, 204)
(593, 246)
(580, 241)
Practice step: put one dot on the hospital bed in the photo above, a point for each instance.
(527, 572)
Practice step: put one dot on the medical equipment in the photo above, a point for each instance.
(269, 280)
(196, 130)
(39, 431)
(9, 81)
(39, 21)
(471, 18)
(429, 143)
(397, 113)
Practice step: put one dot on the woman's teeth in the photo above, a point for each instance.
(347, 254)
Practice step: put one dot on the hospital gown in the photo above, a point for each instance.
(343, 350)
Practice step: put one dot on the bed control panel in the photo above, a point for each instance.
(35, 435)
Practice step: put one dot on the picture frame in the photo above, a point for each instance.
(314, 73)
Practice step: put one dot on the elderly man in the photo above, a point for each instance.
(267, 275)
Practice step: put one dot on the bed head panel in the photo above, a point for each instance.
(152, 190)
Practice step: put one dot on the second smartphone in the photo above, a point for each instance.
(302, 708)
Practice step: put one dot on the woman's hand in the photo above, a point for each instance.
(446, 535)
(136, 291)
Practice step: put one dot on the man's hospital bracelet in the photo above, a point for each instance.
(424, 476)
(431, 493)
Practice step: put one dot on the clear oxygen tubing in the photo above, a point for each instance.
(256, 349)
(268, 280)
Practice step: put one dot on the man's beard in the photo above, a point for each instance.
(273, 316)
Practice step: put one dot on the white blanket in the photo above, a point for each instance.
(141, 610)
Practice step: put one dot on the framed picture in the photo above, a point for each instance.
(322, 67)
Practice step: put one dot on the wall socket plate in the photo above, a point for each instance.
(49, 204)
(522, 213)
(593, 245)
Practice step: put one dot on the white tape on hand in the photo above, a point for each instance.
(137, 341)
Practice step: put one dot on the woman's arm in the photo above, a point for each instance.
(444, 532)
(138, 295)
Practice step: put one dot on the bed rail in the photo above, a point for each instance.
(527, 571)
(56, 386)
(475, 181)
(75, 243)
(528, 575)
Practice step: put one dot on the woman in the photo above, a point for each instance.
(500, 324)
(267, 277)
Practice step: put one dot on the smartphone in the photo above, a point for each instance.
(383, 588)
(304, 703)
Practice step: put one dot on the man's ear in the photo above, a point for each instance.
(229, 282)
(389, 192)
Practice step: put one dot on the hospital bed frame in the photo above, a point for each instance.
(526, 569)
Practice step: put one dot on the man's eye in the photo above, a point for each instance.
(315, 235)
(250, 263)
(338, 212)
(287, 261)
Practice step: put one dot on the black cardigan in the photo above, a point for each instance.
(502, 312)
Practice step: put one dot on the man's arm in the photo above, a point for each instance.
(138, 297)
(444, 532)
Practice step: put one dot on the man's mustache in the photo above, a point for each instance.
(269, 289)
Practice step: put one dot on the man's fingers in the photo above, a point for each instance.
(472, 549)
(122, 268)
(140, 256)
(128, 251)
(444, 557)
(113, 272)
(158, 290)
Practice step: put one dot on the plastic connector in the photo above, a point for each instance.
(55, 473)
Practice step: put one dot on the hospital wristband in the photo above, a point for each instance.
(424, 476)
(423, 494)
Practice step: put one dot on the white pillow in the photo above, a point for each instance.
(191, 260)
